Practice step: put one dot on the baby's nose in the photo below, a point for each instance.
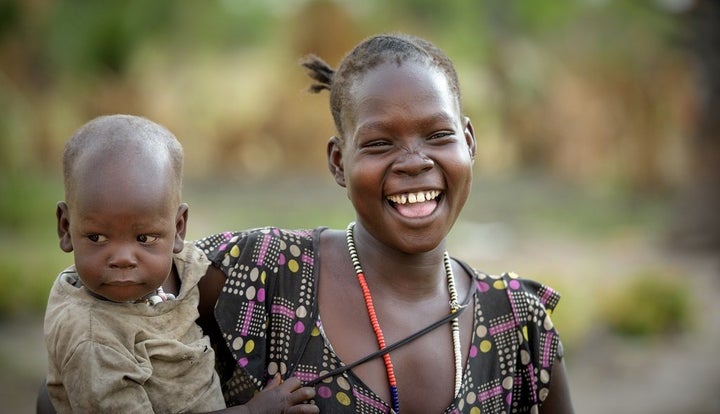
(123, 257)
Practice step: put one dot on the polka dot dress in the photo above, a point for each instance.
(267, 312)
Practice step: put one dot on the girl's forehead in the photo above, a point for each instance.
(390, 72)
(406, 82)
(390, 96)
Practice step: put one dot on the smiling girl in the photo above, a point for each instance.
(378, 317)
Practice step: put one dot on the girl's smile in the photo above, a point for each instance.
(415, 204)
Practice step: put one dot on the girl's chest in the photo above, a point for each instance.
(424, 369)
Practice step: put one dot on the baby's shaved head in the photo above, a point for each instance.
(119, 137)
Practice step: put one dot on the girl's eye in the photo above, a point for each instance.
(147, 238)
(96, 238)
(375, 144)
(379, 146)
(441, 135)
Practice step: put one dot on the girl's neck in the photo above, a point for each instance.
(413, 275)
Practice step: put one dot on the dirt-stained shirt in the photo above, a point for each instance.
(107, 357)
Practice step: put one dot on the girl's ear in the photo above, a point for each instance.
(180, 227)
(63, 226)
(335, 161)
(470, 137)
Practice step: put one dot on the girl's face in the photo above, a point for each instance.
(407, 155)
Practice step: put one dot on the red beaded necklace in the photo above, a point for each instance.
(454, 306)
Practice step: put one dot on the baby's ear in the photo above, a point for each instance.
(335, 162)
(63, 226)
(180, 227)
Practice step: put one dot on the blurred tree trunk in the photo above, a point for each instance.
(697, 224)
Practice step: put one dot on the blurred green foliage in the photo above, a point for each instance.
(29, 253)
(540, 78)
(65, 62)
(649, 304)
(94, 37)
(27, 201)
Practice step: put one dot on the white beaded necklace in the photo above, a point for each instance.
(156, 297)
(454, 306)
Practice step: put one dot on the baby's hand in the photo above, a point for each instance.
(283, 397)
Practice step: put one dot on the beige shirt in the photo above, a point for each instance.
(107, 357)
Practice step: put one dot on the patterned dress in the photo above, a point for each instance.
(268, 315)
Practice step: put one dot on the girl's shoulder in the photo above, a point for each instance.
(513, 325)
(516, 288)
(258, 242)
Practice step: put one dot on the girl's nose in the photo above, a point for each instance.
(413, 162)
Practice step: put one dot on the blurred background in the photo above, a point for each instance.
(598, 166)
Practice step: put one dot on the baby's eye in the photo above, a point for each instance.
(96, 238)
(147, 238)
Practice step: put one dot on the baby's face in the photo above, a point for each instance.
(123, 229)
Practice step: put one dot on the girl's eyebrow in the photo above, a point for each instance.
(438, 118)
(382, 125)
(371, 126)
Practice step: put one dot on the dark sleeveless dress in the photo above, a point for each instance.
(268, 316)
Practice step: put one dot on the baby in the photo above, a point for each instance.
(120, 323)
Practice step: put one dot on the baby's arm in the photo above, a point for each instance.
(99, 378)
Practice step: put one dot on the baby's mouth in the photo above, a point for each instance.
(417, 204)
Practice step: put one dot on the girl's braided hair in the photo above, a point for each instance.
(370, 53)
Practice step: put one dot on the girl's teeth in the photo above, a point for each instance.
(419, 197)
